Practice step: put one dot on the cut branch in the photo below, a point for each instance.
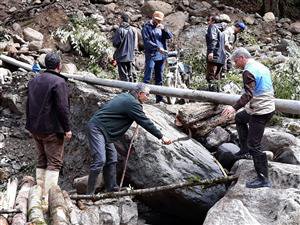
(184, 184)
(9, 211)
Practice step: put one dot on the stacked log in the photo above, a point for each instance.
(21, 201)
(57, 206)
(35, 212)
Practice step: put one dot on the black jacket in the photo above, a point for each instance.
(47, 109)
(124, 42)
(215, 42)
(117, 115)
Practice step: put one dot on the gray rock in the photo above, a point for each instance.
(35, 45)
(269, 17)
(153, 164)
(225, 154)
(295, 27)
(293, 128)
(285, 20)
(175, 22)
(32, 35)
(26, 59)
(12, 101)
(249, 20)
(278, 205)
(41, 59)
(5, 76)
(194, 37)
(225, 18)
(69, 68)
(217, 137)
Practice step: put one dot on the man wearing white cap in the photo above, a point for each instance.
(155, 37)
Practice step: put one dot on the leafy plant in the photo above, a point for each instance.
(87, 39)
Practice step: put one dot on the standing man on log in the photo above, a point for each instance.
(124, 41)
(258, 99)
(109, 124)
(155, 36)
(47, 120)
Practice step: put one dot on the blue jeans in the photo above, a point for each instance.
(158, 68)
(102, 153)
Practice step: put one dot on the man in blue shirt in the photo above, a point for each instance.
(155, 37)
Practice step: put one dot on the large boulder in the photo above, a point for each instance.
(295, 27)
(278, 205)
(150, 6)
(153, 164)
(176, 21)
(32, 35)
(194, 37)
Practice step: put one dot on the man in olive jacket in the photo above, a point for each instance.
(110, 123)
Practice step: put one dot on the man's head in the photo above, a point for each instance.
(143, 92)
(53, 62)
(240, 57)
(213, 19)
(157, 17)
(239, 27)
(125, 17)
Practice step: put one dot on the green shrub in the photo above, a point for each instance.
(87, 40)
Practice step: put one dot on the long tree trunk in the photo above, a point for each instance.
(21, 201)
(72, 209)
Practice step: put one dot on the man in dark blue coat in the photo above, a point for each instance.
(155, 37)
(124, 42)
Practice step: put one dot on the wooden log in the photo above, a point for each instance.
(57, 206)
(72, 209)
(35, 212)
(21, 201)
(11, 192)
(190, 183)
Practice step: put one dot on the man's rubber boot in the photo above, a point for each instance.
(110, 177)
(261, 167)
(40, 177)
(92, 180)
(51, 179)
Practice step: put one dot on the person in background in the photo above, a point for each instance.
(258, 100)
(155, 36)
(231, 38)
(110, 123)
(47, 119)
(215, 57)
(36, 66)
(124, 40)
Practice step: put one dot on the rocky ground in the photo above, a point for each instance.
(269, 38)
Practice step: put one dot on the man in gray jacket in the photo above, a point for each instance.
(124, 42)
(215, 41)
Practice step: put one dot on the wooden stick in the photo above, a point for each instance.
(9, 211)
(128, 154)
(194, 182)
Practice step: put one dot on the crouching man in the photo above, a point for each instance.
(109, 124)
(258, 99)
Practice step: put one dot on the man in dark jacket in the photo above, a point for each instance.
(216, 56)
(109, 124)
(155, 37)
(47, 120)
(124, 42)
(258, 99)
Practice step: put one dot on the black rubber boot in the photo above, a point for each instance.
(91, 187)
(261, 167)
(110, 177)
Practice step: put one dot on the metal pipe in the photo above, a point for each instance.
(282, 105)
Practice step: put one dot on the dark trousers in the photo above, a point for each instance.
(213, 71)
(126, 73)
(102, 153)
(250, 130)
(50, 150)
(158, 68)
